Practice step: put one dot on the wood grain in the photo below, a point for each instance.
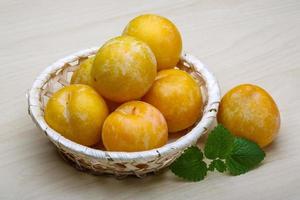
(254, 41)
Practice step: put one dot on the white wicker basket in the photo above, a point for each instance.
(120, 164)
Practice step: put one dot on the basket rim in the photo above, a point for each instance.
(209, 113)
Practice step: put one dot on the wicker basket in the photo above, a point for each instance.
(119, 163)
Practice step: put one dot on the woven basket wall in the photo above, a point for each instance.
(119, 163)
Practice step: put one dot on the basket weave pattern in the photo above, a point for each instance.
(120, 164)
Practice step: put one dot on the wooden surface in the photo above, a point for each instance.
(255, 41)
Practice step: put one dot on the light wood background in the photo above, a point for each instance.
(255, 41)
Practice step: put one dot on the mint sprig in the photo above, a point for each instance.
(227, 152)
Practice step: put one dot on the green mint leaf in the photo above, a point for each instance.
(217, 164)
(220, 165)
(211, 166)
(190, 165)
(244, 156)
(219, 143)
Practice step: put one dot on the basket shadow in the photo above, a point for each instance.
(111, 185)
